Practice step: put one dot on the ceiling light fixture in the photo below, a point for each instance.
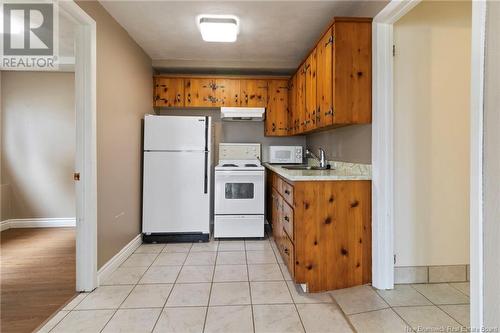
(218, 28)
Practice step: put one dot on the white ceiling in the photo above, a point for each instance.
(274, 35)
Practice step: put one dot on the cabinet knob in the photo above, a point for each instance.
(286, 218)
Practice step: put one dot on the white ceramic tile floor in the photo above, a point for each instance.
(242, 286)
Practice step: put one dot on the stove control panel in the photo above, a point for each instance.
(239, 151)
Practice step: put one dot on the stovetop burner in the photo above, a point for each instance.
(250, 165)
(229, 165)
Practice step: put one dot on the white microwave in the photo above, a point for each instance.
(285, 154)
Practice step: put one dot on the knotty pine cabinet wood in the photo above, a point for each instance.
(324, 80)
(310, 92)
(292, 105)
(211, 92)
(352, 72)
(333, 86)
(169, 92)
(253, 93)
(277, 109)
(301, 99)
(200, 92)
(322, 230)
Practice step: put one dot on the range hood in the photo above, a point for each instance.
(242, 114)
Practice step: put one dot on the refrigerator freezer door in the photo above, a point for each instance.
(176, 195)
(174, 133)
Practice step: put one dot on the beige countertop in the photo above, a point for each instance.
(339, 171)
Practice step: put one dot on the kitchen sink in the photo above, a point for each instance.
(302, 167)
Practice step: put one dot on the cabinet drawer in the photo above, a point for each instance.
(287, 192)
(287, 252)
(287, 219)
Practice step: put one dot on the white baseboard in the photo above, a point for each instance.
(108, 268)
(38, 223)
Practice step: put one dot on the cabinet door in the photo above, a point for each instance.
(168, 92)
(228, 92)
(352, 73)
(253, 93)
(325, 82)
(310, 93)
(276, 216)
(200, 92)
(301, 100)
(277, 108)
(292, 104)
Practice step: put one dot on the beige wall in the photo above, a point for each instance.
(38, 145)
(348, 144)
(432, 88)
(238, 131)
(124, 92)
(492, 168)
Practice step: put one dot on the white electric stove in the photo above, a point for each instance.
(239, 191)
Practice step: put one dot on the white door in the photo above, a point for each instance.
(173, 133)
(176, 192)
(239, 192)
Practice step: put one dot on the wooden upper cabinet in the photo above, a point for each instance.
(301, 99)
(228, 92)
(200, 92)
(310, 92)
(324, 80)
(168, 92)
(253, 93)
(352, 72)
(292, 104)
(277, 108)
(333, 85)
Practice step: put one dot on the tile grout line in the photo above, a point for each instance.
(346, 317)
(68, 312)
(171, 289)
(434, 304)
(450, 284)
(249, 289)
(451, 315)
(130, 292)
(211, 286)
(288, 288)
(397, 313)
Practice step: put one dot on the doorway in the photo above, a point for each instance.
(383, 149)
(84, 218)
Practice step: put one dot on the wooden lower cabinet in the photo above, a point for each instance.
(323, 230)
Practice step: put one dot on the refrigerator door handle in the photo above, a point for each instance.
(205, 178)
(205, 182)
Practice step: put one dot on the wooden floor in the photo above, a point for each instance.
(37, 275)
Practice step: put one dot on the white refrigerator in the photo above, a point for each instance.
(176, 178)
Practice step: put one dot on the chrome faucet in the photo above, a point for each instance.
(321, 159)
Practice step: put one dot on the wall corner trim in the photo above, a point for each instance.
(109, 267)
(58, 222)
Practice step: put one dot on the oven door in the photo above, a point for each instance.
(239, 192)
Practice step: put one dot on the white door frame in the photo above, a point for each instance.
(86, 156)
(383, 143)
(383, 150)
(476, 162)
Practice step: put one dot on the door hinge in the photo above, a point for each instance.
(393, 50)
(394, 259)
